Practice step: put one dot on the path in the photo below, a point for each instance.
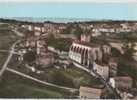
(8, 58)
(17, 33)
(12, 52)
(39, 81)
(92, 72)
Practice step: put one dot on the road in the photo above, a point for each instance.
(4, 50)
(11, 51)
(17, 32)
(92, 72)
(108, 85)
(4, 67)
(14, 29)
(39, 81)
(84, 68)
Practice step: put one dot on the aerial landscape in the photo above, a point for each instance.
(67, 58)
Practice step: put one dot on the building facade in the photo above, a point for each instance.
(101, 69)
(90, 93)
(90, 55)
(121, 82)
(86, 53)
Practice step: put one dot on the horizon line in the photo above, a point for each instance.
(68, 1)
(73, 19)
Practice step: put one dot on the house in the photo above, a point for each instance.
(85, 26)
(50, 27)
(28, 34)
(101, 69)
(45, 60)
(112, 67)
(135, 53)
(41, 47)
(90, 93)
(29, 27)
(38, 29)
(117, 45)
(121, 82)
(85, 37)
(30, 42)
(95, 33)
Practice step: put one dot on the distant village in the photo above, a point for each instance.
(94, 58)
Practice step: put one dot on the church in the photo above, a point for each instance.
(90, 55)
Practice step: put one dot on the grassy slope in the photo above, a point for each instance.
(18, 87)
(7, 38)
(72, 77)
(14, 86)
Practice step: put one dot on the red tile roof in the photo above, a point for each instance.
(128, 78)
(87, 44)
(91, 90)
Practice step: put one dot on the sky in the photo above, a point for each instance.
(116, 1)
(98, 11)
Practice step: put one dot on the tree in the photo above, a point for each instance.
(129, 49)
(73, 29)
(67, 30)
(29, 56)
(128, 46)
(78, 31)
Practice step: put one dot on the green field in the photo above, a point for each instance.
(61, 44)
(3, 57)
(7, 37)
(70, 77)
(13, 86)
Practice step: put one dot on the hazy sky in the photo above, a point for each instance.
(121, 11)
(116, 1)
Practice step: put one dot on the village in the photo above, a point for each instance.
(95, 58)
(64, 46)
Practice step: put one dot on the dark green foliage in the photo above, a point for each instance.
(30, 56)
(73, 29)
(61, 44)
(62, 79)
(127, 69)
(115, 52)
(14, 86)
(127, 66)
(129, 49)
